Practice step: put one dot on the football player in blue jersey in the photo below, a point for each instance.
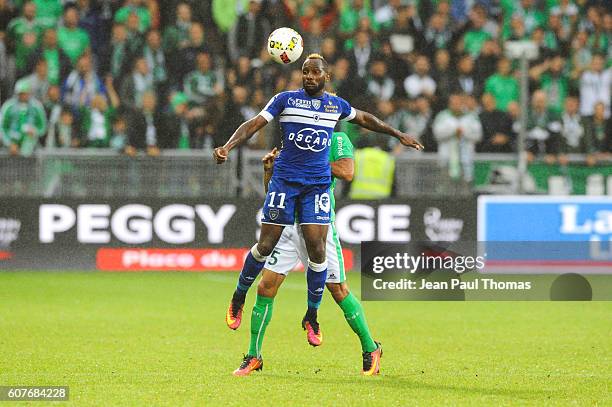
(299, 187)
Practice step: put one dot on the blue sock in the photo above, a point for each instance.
(250, 270)
(315, 278)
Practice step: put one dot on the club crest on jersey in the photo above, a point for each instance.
(316, 103)
(274, 214)
(311, 140)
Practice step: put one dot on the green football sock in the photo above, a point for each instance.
(353, 313)
(260, 318)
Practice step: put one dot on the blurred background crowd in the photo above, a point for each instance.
(145, 75)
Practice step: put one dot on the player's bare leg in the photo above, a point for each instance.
(355, 317)
(269, 236)
(315, 237)
(260, 318)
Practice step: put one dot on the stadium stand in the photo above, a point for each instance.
(145, 88)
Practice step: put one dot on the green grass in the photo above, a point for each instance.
(161, 339)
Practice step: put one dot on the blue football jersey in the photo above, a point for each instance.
(307, 125)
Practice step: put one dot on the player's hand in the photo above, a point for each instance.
(220, 154)
(410, 142)
(268, 159)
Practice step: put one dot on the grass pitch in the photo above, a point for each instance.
(161, 339)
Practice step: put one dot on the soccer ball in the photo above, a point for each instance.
(285, 45)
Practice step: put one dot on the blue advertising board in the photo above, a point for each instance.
(547, 231)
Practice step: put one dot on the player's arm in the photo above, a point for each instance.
(341, 157)
(268, 164)
(343, 169)
(242, 134)
(275, 106)
(373, 123)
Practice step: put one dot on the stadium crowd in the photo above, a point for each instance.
(148, 74)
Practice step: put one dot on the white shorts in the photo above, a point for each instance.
(291, 249)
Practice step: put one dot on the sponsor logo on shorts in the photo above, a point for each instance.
(274, 214)
(322, 204)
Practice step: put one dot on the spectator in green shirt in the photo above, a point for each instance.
(22, 121)
(176, 36)
(516, 29)
(476, 36)
(350, 16)
(177, 124)
(135, 39)
(117, 56)
(543, 130)
(23, 33)
(502, 85)
(567, 12)
(59, 65)
(556, 37)
(385, 15)
(48, 12)
(97, 119)
(553, 81)
(140, 9)
(531, 15)
(581, 54)
(156, 59)
(202, 85)
(136, 85)
(538, 37)
(74, 41)
(598, 133)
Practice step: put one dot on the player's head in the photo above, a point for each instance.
(315, 72)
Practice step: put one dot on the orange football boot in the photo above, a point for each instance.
(313, 332)
(371, 361)
(233, 316)
(249, 364)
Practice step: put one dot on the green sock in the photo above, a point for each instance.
(353, 313)
(260, 318)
